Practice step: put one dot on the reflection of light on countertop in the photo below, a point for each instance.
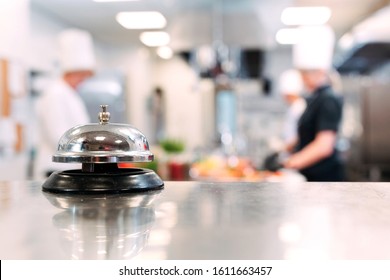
(309, 236)
(130, 252)
(159, 237)
(101, 237)
(167, 214)
(290, 232)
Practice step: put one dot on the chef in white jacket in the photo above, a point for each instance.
(291, 88)
(60, 107)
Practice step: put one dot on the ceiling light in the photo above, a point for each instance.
(141, 20)
(155, 39)
(288, 36)
(305, 15)
(165, 52)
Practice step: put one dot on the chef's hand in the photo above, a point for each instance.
(293, 162)
(272, 162)
(321, 147)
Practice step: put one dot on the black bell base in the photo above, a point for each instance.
(126, 180)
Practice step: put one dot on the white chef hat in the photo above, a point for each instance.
(76, 50)
(315, 48)
(290, 82)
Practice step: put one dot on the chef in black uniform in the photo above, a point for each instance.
(316, 156)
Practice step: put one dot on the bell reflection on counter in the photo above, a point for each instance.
(104, 226)
(99, 148)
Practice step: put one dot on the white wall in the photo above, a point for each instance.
(14, 29)
(184, 100)
(43, 44)
(139, 87)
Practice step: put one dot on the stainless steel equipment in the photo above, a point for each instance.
(366, 116)
(99, 148)
(364, 64)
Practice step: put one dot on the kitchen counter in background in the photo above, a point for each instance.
(194, 220)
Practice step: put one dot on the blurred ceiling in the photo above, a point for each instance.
(243, 23)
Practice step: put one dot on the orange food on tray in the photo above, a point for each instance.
(217, 168)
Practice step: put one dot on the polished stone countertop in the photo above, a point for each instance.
(195, 220)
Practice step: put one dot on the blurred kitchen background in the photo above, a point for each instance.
(217, 72)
